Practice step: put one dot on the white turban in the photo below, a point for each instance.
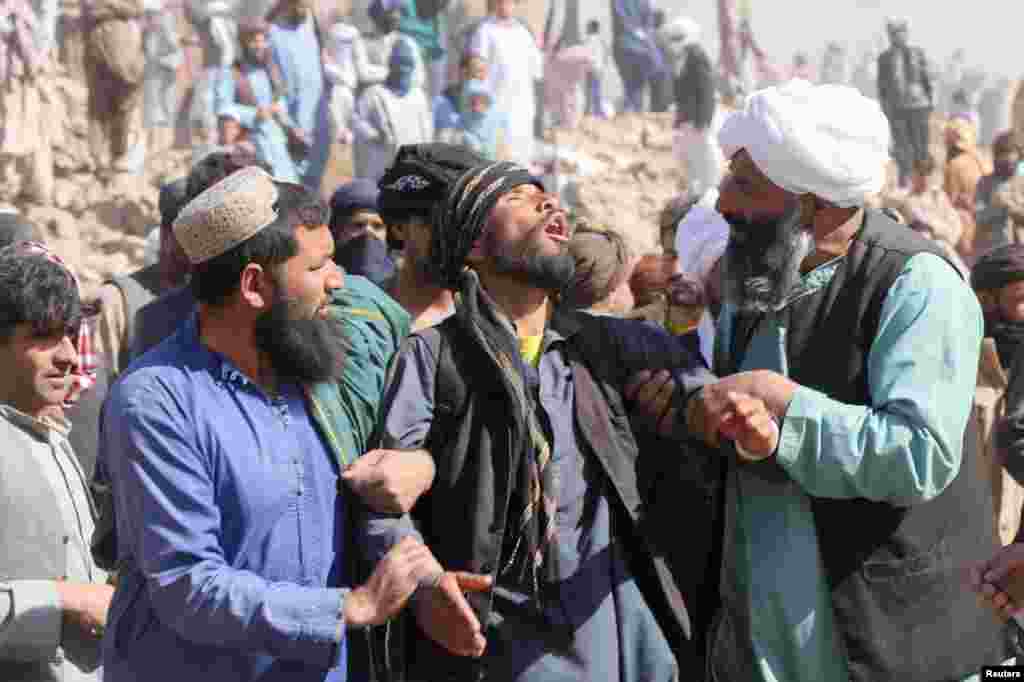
(827, 140)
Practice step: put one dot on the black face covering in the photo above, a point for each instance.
(762, 260)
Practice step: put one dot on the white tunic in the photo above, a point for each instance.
(383, 122)
(516, 64)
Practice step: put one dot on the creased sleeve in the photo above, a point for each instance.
(164, 479)
(905, 447)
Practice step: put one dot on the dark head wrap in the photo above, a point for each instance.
(173, 197)
(420, 178)
(998, 268)
(367, 256)
(460, 220)
(358, 195)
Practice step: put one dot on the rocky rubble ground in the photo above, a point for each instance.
(632, 173)
(98, 225)
(623, 168)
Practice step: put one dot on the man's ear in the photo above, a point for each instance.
(256, 287)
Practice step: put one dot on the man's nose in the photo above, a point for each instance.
(66, 357)
(550, 202)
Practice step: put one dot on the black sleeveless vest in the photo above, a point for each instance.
(896, 573)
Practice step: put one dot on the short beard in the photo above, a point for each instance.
(762, 261)
(540, 270)
(308, 351)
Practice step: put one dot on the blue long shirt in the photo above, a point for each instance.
(296, 49)
(905, 449)
(230, 526)
(267, 135)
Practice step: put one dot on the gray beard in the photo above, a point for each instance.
(757, 277)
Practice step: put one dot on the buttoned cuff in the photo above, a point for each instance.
(30, 619)
(804, 406)
(338, 659)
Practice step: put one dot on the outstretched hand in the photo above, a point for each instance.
(991, 580)
(444, 613)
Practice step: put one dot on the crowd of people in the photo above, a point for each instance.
(439, 427)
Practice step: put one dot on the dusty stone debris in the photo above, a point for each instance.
(623, 173)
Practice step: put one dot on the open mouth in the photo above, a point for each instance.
(557, 227)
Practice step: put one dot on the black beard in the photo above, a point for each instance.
(762, 261)
(308, 351)
(551, 273)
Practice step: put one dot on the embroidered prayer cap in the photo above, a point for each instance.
(420, 177)
(827, 140)
(227, 214)
(460, 220)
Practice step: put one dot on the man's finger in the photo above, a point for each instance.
(472, 582)
(450, 588)
(649, 391)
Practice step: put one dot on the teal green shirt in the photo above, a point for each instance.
(373, 325)
(425, 32)
(904, 449)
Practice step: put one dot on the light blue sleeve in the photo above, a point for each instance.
(224, 97)
(907, 446)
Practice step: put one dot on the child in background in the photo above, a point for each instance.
(596, 104)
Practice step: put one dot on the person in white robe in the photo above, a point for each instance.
(159, 82)
(390, 115)
(515, 65)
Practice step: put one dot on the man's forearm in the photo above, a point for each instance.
(380, 532)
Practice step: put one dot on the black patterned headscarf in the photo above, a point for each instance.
(421, 177)
(459, 221)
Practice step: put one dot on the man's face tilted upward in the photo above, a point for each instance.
(767, 241)
(527, 237)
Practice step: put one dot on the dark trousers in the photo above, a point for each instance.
(595, 98)
(634, 79)
(910, 132)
